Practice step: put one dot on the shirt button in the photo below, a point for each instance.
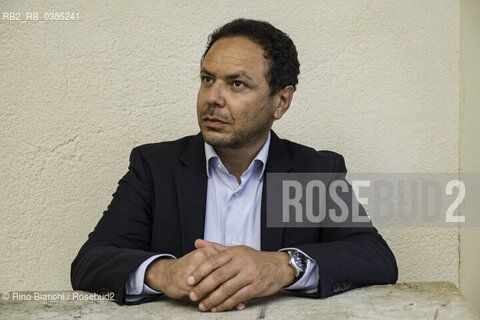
(219, 166)
(235, 194)
(234, 243)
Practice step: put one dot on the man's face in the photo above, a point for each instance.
(234, 107)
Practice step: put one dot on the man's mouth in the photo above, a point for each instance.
(214, 122)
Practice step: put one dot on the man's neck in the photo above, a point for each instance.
(237, 160)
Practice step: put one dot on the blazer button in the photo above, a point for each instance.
(336, 288)
(340, 287)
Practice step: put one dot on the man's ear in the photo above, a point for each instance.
(284, 98)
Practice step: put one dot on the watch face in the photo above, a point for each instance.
(299, 260)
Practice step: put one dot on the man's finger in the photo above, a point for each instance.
(200, 243)
(177, 271)
(223, 292)
(235, 300)
(207, 276)
(203, 254)
(241, 306)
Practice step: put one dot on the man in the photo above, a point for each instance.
(189, 219)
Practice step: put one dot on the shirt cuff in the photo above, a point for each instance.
(309, 280)
(135, 288)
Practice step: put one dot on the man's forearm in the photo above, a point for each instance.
(103, 269)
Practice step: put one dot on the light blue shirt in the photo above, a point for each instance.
(233, 210)
(232, 217)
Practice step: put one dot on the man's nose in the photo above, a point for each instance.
(215, 94)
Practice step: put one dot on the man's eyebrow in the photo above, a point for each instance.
(205, 71)
(231, 76)
(240, 74)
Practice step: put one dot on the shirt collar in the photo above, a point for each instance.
(261, 156)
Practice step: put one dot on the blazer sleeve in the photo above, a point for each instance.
(350, 257)
(121, 240)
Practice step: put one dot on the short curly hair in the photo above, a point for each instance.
(278, 49)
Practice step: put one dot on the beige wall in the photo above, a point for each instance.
(379, 83)
(469, 144)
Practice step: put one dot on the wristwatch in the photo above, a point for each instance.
(298, 262)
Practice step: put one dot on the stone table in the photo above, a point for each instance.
(421, 300)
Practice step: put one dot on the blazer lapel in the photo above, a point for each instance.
(278, 161)
(191, 183)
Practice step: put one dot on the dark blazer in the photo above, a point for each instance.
(159, 207)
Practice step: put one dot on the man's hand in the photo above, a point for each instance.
(170, 276)
(235, 274)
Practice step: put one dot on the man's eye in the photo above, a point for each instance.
(238, 84)
(207, 79)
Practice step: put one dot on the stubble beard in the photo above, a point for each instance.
(239, 137)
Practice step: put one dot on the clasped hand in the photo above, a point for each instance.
(221, 277)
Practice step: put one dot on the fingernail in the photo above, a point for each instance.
(191, 280)
(213, 309)
(241, 306)
(202, 307)
(193, 296)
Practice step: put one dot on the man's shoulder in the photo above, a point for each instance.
(310, 159)
(169, 150)
(172, 145)
(298, 149)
